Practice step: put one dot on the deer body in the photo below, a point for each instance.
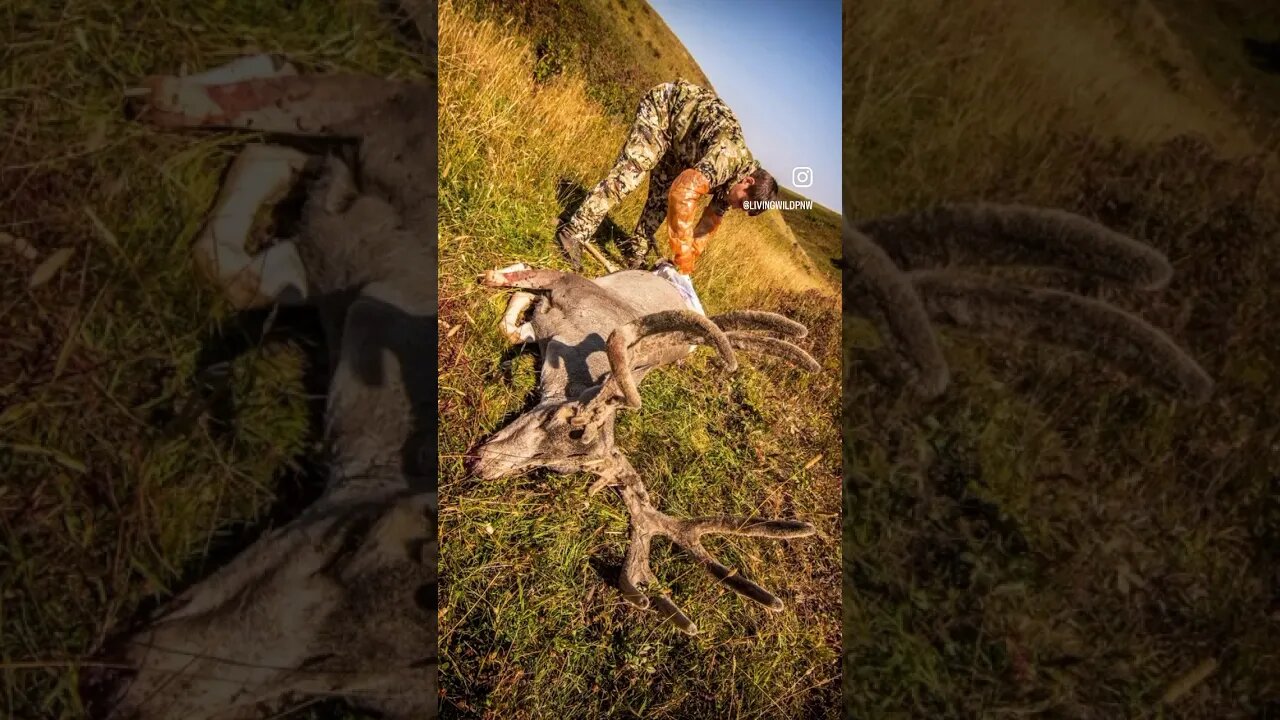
(572, 322)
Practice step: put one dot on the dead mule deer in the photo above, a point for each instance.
(598, 339)
(340, 601)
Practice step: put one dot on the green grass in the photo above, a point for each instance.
(1050, 536)
(132, 462)
(817, 230)
(529, 628)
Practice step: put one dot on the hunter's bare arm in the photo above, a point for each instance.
(708, 223)
(687, 240)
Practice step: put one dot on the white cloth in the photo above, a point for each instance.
(683, 284)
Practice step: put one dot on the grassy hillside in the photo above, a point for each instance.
(146, 434)
(1051, 537)
(529, 628)
(1210, 40)
(621, 47)
(817, 230)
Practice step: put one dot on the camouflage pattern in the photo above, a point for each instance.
(678, 126)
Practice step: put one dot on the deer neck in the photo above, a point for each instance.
(380, 421)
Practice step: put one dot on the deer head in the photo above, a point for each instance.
(542, 437)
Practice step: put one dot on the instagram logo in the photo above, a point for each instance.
(801, 177)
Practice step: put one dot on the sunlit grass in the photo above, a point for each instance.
(529, 627)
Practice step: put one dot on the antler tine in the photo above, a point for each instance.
(690, 533)
(760, 320)
(1064, 318)
(680, 328)
(876, 287)
(990, 234)
(692, 326)
(647, 522)
(688, 327)
(766, 345)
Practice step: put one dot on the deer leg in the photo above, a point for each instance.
(187, 95)
(250, 67)
(498, 276)
(242, 95)
(521, 275)
(517, 332)
(260, 174)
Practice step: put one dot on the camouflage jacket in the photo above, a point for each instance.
(704, 134)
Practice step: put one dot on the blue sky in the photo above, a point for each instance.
(777, 64)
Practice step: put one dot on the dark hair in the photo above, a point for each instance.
(764, 189)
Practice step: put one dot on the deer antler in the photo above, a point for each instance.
(765, 345)
(649, 329)
(1063, 318)
(677, 328)
(744, 329)
(639, 343)
(875, 286)
(760, 320)
(647, 522)
(986, 234)
(903, 303)
(643, 341)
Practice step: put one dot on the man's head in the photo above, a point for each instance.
(757, 187)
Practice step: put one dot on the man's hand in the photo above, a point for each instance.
(571, 244)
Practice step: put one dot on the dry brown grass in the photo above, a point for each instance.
(942, 94)
(620, 47)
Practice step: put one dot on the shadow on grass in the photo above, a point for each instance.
(609, 571)
(211, 400)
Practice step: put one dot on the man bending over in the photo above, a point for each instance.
(690, 145)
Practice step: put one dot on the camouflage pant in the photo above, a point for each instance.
(643, 153)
